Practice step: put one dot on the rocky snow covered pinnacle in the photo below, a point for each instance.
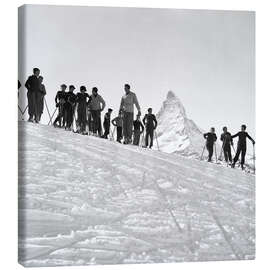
(173, 103)
(176, 133)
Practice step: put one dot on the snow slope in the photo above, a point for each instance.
(85, 200)
(175, 132)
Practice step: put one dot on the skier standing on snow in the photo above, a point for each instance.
(227, 141)
(127, 107)
(69, 106)
(211, 138)
(82, 100)
(241, 145)
(96, 105)
(118, 123)
(60, 100)
(40, 98)
(107, 123)
(33, 86)
(138, 130)
(150, 123)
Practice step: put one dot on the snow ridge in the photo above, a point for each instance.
(84, 200)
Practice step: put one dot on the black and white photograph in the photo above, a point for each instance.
(136, 135)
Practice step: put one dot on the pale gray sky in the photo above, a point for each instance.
(206, 57)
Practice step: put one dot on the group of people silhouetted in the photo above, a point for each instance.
(227, 143)
(78, 111)
(81, 112)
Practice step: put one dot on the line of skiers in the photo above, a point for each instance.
(88, 109)
(227, 143)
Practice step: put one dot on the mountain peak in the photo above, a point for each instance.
(171, 94)
(177, 133)
(173, 101)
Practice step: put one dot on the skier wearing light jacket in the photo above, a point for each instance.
(127, 107)
(97, 105)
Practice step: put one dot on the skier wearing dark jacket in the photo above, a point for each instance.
(82, 100)
(107, 123)
(60, 100)
(241, 145)
(150, 123)
(211, 138)
(69, 106)
(227, 141)
(33, 86)
(138, 129)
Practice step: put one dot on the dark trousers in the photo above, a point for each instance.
(210, 149)
(39, 104)
(61, 116)
(119, 133)
(149, 133)
(90, 122)
(136, 137)
(96, 122)
(227, 153)
(127, 126)
(106, 130)
(32, 99)
(81, 112)
(240, 150)
(69, 112)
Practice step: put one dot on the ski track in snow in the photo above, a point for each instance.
(85, 200)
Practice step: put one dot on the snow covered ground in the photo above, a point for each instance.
(85, 200)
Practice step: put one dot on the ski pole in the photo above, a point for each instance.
(221, 152)
(74, 120)
(156, 140)
(47, 107)
(20, 109)
(202, 152)
(25, 109)
(52, 116)
(254, 158)
(113, 132)
(233, 148)
(111, 135)
(142, 139)
(215, 151)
